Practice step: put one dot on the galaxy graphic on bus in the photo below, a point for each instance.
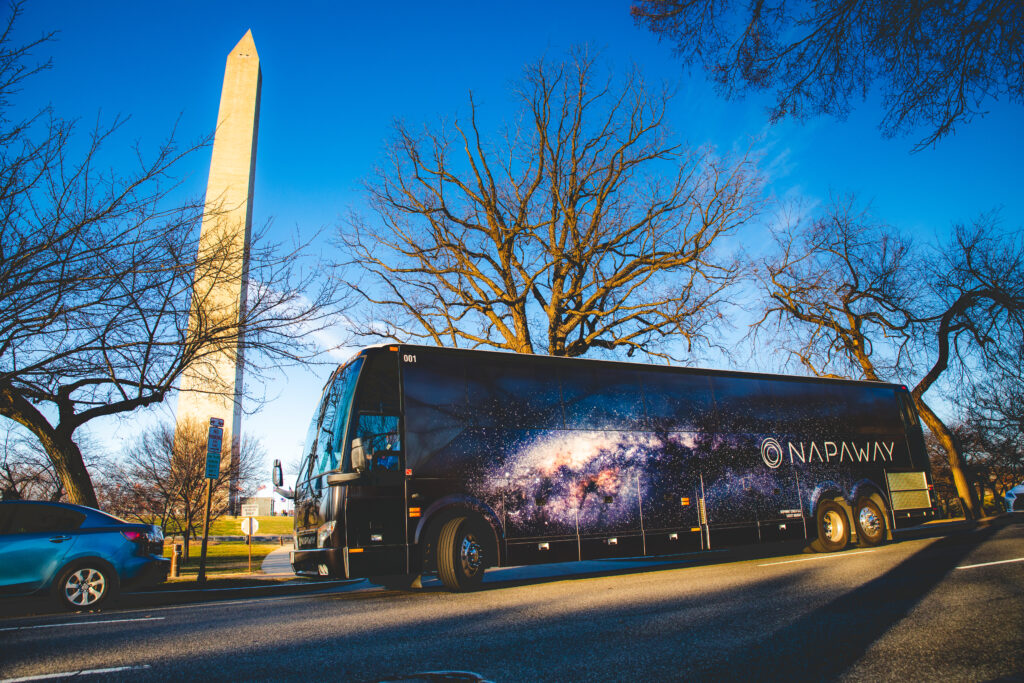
(567, 477)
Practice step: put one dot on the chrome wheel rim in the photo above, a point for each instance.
(869, 521)
(470, 555)
(833, 526)
(85, 587)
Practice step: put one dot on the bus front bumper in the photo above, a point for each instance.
(349, 563)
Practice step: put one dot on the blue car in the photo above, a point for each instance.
(81, 555)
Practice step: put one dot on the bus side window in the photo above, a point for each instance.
(611, 399)
(435, 404)
(379, 434)
(515, 393)
(744, 405)
(677, 401)
(875, 412)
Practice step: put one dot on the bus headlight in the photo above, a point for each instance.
(323, 534)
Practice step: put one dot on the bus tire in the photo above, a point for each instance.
(460, 554)
(833, 527)
(870, 522)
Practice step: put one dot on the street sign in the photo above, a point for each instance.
(212, 465)
(250, 526)
(250, 510)
(214, 439)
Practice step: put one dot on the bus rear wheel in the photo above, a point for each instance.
(833, 527)
(460, 554)
(870, 522)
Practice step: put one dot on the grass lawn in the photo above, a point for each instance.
(224, 558)
(232, 526)
(269, 526)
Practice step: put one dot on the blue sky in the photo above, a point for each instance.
(336, 75)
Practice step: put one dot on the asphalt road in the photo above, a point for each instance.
(948, 608)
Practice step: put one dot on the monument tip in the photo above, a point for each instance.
(246, 46)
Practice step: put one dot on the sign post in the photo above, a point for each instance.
(214, 439)
(250, 525)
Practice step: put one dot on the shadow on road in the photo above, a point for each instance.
(823, 643)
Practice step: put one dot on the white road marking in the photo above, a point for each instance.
(84, 672)
(79, 623)
(989, 564)
(831, 556)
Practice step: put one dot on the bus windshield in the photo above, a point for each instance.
(331, 446)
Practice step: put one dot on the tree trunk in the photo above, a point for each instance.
(67, 461)
(59, 444)
(956, 461)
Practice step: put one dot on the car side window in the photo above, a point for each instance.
(35, 519)
(58, 519)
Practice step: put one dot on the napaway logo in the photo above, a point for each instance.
(774, 453)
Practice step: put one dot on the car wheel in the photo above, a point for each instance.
(870, 522)
(460, 555)
(86, 585)
(833, 527)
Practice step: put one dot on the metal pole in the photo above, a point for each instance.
(206, 533)
(640, 506)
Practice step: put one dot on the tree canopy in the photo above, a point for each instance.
(581, 225)
(936, 63)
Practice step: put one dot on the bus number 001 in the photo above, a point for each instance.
(409, 358)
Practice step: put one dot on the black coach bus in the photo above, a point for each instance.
(423, 459)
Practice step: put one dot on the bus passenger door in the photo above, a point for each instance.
(376, 505)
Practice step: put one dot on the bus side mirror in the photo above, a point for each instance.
(278, 478)
(358, 456)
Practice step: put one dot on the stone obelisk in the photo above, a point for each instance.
(212, 385)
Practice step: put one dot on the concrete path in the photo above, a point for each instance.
(277, 562)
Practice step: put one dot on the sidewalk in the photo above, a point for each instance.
(278, 562)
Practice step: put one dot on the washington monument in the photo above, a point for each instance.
(212, 385)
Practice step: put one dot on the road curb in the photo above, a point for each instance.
(170, 597)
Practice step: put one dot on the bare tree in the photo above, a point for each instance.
(96, 278)
(938, 63)
(25, 471)
(163, 478)
(850, 297)
(993, 422)
(580, 226)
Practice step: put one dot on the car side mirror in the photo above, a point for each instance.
(358, 456)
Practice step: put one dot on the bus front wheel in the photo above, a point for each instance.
(460, 554)
(870, 522)
(833, 527)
